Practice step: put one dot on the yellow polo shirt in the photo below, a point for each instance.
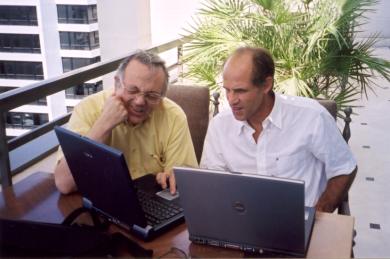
(159, 143)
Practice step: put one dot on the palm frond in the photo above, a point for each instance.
(312, 41)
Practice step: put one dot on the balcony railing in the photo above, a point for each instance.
(44, 134)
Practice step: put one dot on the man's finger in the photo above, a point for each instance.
(172, 184)
(162, 180)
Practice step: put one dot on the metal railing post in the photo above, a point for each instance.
(5, 169)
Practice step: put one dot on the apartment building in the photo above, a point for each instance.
(41, 39)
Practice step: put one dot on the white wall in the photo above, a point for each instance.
(50, 47)
(169, 17)
(124, 25)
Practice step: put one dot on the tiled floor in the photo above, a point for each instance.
(370, 193)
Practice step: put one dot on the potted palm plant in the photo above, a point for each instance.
(313, 42)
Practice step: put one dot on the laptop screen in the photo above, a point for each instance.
(101, 176)
(250, 212)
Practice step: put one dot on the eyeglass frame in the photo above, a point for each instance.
(146, 95)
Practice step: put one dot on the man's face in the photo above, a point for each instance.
(245, 99)
(140, 90)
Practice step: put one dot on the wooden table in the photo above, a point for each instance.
(36, 198)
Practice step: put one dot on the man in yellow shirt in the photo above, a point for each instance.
(134, 117)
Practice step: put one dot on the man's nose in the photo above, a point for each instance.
(232, 98)
(139, 99)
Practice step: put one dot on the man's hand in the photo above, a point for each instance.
(167, 178)
(114, 112)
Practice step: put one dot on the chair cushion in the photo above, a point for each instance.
(194, 100)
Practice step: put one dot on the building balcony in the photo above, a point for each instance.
(369, 142)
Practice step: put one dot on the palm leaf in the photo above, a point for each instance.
(312, 41)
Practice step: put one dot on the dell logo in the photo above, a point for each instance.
(87, 154)
(239, 207)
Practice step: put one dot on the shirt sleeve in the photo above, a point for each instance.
(212, 155)
(79, 122)
(329, 147)
(180, 150)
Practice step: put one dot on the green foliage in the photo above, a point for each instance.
(312, 41)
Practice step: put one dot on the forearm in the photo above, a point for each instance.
(336, 189)
(63, 178)
(100, 131)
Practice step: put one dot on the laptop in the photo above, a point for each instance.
(103, 179)
(256, 214)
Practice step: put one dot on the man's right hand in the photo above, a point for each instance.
(114, 112)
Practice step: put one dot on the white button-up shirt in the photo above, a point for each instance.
(299, 140)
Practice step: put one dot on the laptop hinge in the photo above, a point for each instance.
(143, 232)
(87, 203)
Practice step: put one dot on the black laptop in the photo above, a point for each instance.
(257, 214)
(103, 179)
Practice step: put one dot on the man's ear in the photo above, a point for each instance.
(269, 82)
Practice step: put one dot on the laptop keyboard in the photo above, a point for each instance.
(156, 211)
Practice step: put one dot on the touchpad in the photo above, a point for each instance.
(165, 194)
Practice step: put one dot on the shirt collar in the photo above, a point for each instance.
(275, 117)
(241, 125)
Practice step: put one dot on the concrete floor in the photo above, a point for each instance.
(369, 196)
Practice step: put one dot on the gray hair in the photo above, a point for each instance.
(151, 60)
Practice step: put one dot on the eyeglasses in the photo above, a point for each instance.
(150, 97)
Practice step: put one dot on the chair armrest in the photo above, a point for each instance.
(347, 120)
(343, 208)
(215, 102)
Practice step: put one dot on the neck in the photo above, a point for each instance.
(265, 109)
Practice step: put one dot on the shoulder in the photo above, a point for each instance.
(300, 106)
(298, 101)
(168, 113)
(171, 109)
(224, 119)
(95, 101)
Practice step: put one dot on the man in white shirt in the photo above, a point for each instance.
(271, 134)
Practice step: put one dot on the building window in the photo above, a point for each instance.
(82, 14)
(82, 90)
(25, 43)
(69, 109)
(18, 15)
(79, 40)
(21, 70)
(4, 89)
(69, 64)
(25, 120)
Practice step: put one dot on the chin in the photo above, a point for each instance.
(136, 120)
(239, 117)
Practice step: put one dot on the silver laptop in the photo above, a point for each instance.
(257, 214)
